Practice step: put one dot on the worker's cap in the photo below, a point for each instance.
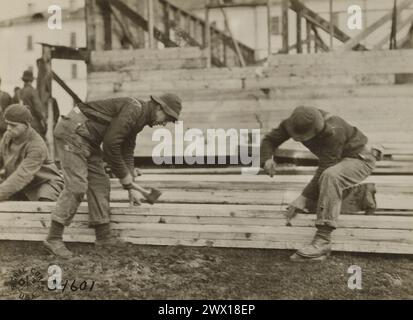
(304, 123)
(28, 75)
(18, 113)
(170, 103)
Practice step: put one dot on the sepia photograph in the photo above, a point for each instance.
(206, 157)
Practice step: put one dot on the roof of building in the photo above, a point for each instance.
(67, 14)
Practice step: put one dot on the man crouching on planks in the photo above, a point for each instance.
(27, 172)
(345, 160)
(115, 123)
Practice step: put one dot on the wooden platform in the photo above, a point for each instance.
(229, 211)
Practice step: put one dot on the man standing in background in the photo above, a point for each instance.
(30, 97)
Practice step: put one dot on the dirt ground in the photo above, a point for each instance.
(151, 272)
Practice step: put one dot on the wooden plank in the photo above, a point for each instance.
(384, 201)
(298, 33)
(355, 63)
(90, 24)
(366, 243)
(116, 59)
(231, 232)
(309, 36)
(253, 218)
(366, 246)
(374, 26)
(151, 24)
(107, 23)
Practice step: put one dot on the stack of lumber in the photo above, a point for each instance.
(238, 211)
(358, 86)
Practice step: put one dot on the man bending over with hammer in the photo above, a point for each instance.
(344, 161)
(115, 123)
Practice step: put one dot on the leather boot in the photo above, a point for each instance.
(58, 248)
(319, 249)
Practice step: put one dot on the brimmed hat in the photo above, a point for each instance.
(304, 123)
(170, 103)
(27, 75)
(18, 113)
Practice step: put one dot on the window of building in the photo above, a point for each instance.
(275, 26)
(73, 39)
(29, 43)
(74, 71)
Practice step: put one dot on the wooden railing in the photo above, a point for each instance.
(315, 23)
(192, 29)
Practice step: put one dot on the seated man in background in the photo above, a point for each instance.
(27, 172)
(5, 101)
(345, 160)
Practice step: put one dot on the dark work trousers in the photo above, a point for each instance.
(345, 174)
(83, 172)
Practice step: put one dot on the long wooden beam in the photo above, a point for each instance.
(67, 53)
(65, 87)
(320, 41)
(370, 29)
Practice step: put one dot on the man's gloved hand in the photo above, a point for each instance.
(297, 205)
(270, 167)
(134, 198)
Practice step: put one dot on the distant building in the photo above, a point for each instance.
(20, 37)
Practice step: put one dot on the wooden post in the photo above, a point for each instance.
(150, 24)
(44, 87)
(50, 127)
(90, 25)
(393, 33)
(299, 38)
(166, 19)
(207, 37)
(285, 7)
(269, 27)
(331, 25)
(107, 24)
(308, 30)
